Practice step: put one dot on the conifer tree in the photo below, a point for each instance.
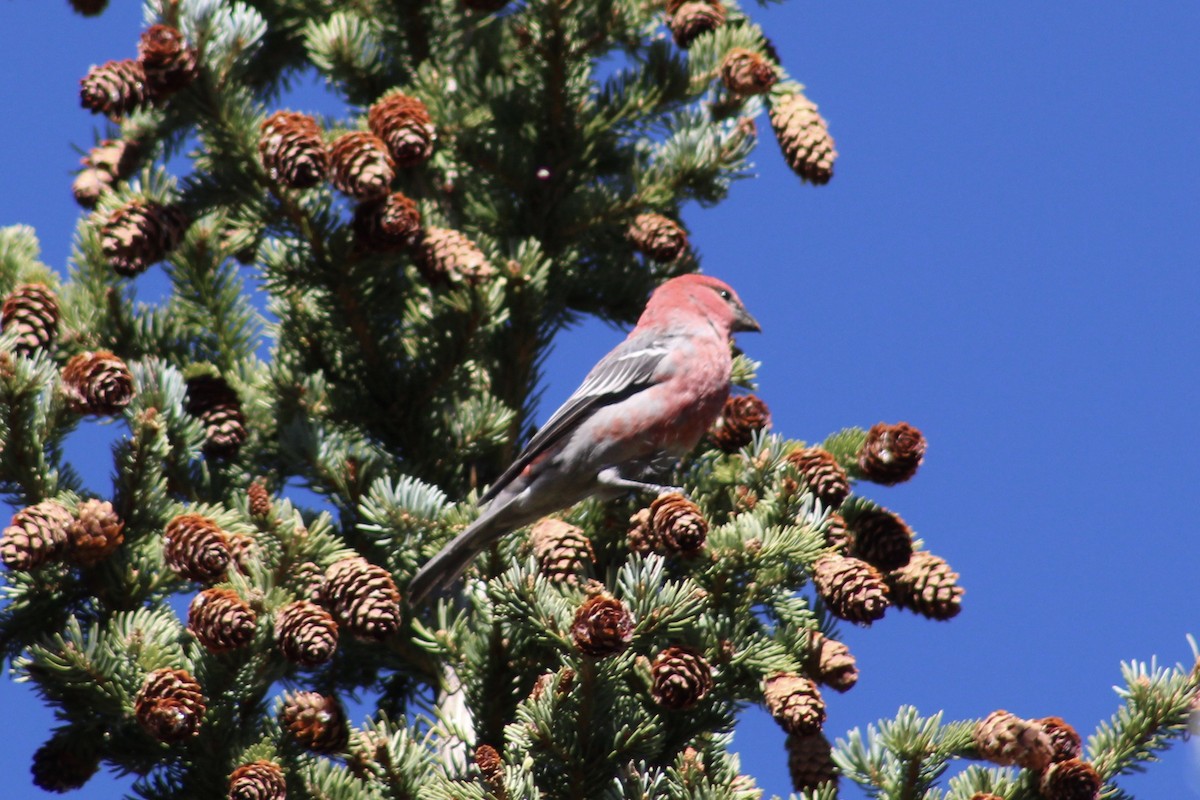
(503, 169)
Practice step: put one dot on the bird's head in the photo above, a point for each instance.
(702, 294)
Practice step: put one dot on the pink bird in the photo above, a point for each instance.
(643, 406)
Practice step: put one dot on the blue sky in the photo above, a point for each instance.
(1008, 257)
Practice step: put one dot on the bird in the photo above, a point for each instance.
(640, 408)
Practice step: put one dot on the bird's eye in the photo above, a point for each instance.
(724, 294)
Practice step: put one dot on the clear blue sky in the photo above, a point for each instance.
(1008, 257)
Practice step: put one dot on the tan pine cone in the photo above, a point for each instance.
(682, 677)
(831, 663)
(677, 525)
(852, 589)
(691, 19)
(219, 409)
(1071, 779)
(810, 761)
(36, 535)
(243, 550)
(306, 580)
(196, 548)
(880, 537)
(927, 586)
(388, 224)
(89, 8)
(221, 620)
(94, 533)
(641, 538)
(1006, 739)
(258, 499)
(114, 88)
(659, 238)
(795, 702)
(564, 552)
(404, 124)
(170, 705)
(30, 313)
(742, 416)
(444, 255)
(139, 234)
(258, 780)
(108, 162)
(491, 766)
(603, 626)
(1064, 739)
(62, 765)
(97, 383)
(307, 634)
(167, 60)
(315, 721)
(361, 166)
(803, 137)
(89, 185)
(891, 454)
(745, 72)
(821, 471)
(837, 535)
(292, 149)
(363, 598)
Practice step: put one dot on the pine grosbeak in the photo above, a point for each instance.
(641, 407)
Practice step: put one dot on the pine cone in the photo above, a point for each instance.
(445, 255)
(403, 123)
(306, 580)
(114, 88)
(677, 525)
(31, 312)
(108, 162)
(742, 417)
(830, 662)
(389, 224)
(170, 705)
(307, 633)
(603, 626)
(837, 535)
(292, 149)
(258, 780)
(927, 586)
(258, 499)
(852, 589)
(139, 234)
(97, 383)
(1005, 739)
(823, 474)
(891, 454)
(362, 598)
(810, 761)
(795, 702)
(212, 401)
(89, 185)
(641, 537)
(880, 537)
(658, 238)
(315, 721)
(36, 535)
(564, 552)
(221, 620)
(167, 60)
(690, 19)
(361, 166)
(682, 678)
(1072, 779)
(89, 8)
(804, 138)
(491, 766)
(196, 548)
(986, 796)
(62, 765)
(745, 72)
(1064, 739)
(243, 550)
(94, 533)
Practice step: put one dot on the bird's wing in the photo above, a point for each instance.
(628, 369)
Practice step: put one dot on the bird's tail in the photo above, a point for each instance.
(453, 559)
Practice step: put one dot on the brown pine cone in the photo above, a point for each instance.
(803, 137)
(880, 537)
(258, 780)
(852, 589)
(795, 702)
(745, 72)
(139, 234)
(810, 761)
(306, 580)
(838, 535)
(691, 19)
(170, 705)
(927, 586)
(167, 61)
(491, 766)
(36, 535)
(388, 224)
(307, 634)
(891, 454)
(212, 401)
(564, 552)
(1006, 739)
(830, 662)
(108, 162)
(89, 8)
(94, 533)
(659, 238)
(361, 166)
(677, 525)
(258, 499)
(114, 88)
(641, 538)
(97, 383)
(447, 256)
(682, 678)
(1071, 779)
(89, 185)
(243, 550)
(315, 721)
(30, 313)
(986, 796)
(196, 548)
(821, 471)
(742, 417)
(221, 620)
(602, 627)
(292, 149)
(1064, 739)
(404, 124)
(363, 598)
(61, 764)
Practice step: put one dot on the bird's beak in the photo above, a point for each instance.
(742, 321)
